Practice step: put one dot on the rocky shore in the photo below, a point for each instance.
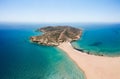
(55, 35)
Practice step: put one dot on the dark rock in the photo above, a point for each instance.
(96, 44)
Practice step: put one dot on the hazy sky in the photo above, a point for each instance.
(59, 10)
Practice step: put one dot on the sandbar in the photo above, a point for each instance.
(94, 67)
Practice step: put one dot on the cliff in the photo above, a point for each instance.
(54, 35)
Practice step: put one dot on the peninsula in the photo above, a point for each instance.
(94, 67)
(55, 35)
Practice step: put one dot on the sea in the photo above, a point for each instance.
(22, 59)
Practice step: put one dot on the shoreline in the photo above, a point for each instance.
(94, 67)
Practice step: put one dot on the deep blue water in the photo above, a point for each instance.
(103, 39)
(21, 59)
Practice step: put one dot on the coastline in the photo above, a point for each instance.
(94, 67)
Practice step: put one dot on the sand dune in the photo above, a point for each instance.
(94, 67)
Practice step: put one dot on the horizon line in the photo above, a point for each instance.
(56, 22)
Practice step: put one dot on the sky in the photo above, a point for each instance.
(38, 11)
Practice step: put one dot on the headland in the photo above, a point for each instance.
(94, 67)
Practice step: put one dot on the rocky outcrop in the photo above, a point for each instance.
(54, 35)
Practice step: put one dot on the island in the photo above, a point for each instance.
(93, 66)
(55, 35)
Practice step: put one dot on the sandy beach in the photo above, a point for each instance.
(94, 67)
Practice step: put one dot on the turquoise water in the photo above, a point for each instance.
(102, 39)
(21, 59)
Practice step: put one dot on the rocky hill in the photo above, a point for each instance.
(54, 35)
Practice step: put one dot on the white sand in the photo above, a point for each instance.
(94, 67)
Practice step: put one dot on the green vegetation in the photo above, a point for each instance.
(54, 35)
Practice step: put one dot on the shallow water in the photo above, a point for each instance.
(21, 59)
(100, 39)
